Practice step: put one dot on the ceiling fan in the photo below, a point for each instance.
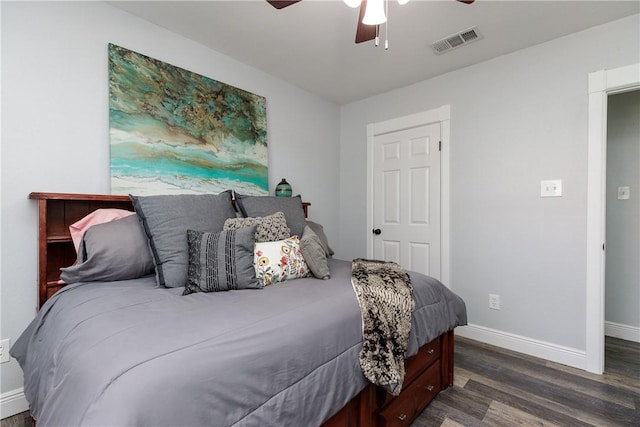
(364, 32)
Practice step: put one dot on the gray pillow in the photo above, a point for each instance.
(269, 228)
(314, 255)
(319, 230)
(115, 250)
(254, 206)
(221, 261)
(166, 220)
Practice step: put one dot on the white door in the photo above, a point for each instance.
(406, 198)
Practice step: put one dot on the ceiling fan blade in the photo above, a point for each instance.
(466, 1)
(281, 4)
(364, 33)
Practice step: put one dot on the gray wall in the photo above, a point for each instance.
(55, 130)
(515, 120)
(622, 289)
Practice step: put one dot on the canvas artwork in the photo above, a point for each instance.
(173, 131)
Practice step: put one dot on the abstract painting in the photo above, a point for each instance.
(174, 131)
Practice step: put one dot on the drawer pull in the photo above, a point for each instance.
(430, 388)
(402, 417)
(431, 351)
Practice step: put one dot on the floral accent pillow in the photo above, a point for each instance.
(279, 261)
(270, 228)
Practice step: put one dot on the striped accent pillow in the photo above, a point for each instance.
(221, 261)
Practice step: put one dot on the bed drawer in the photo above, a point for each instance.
(427, 386)
(402, 410)
(414, 365)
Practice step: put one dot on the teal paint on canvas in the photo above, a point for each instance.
(175, 131)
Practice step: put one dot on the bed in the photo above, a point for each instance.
(128, 352)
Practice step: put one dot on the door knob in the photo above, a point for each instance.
(377, 231)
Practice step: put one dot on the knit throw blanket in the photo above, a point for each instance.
(386, 302)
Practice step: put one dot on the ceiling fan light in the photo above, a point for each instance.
(401, 2)
(374, 13)
(353, 3)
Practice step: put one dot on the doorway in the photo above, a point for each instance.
(622, 255)
(438, 118)
(601, 84)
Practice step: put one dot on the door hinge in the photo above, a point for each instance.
(439, 145)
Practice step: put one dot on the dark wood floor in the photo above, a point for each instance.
(496, 387)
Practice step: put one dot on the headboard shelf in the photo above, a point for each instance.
(56, 211)
(80, 197)
(58, 239)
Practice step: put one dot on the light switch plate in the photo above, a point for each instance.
(4, 350)
(551, 188)
(624, 193)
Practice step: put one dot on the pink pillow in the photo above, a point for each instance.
(98, 216)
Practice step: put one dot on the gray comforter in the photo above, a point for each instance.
(126, 353)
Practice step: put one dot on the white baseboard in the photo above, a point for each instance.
(13, 402)
(553, 352)
(625, 332)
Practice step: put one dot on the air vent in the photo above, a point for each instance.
(456, 40)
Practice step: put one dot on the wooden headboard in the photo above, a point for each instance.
(56, 212)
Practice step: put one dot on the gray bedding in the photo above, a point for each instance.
(127, 353)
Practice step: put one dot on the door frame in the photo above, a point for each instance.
(440, 115)
(601, 84)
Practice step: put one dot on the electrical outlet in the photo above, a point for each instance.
(4, 350)
(494, 302)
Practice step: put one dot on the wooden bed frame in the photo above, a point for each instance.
(427, 373)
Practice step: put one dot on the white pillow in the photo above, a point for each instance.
(279, 261)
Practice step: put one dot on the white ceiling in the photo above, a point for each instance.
(311, 44)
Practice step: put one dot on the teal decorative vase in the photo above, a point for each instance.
(283, 189)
